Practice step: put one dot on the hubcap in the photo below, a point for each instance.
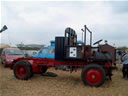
(21, 71)
(93, 76)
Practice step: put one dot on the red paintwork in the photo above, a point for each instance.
(93, 76)
(37, 63)
(89, 51)
(21, 71)
(107, 65)
(13, 57)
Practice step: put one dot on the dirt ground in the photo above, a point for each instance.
(65, 84)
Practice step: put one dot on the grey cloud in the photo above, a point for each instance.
(119, 7)
(51, 18)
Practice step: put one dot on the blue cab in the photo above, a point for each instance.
(47, 52)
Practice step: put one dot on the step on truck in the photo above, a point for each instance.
(69, 56)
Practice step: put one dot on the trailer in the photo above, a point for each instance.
(69, 56)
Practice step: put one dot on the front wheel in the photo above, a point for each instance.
(22, 70)
(93, 75)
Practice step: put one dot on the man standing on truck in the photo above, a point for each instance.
(125, 64)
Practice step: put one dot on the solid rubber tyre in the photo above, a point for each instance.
(22, 70)
(93, 75)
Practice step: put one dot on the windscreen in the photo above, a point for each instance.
(14, 52)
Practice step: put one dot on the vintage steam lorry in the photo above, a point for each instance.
(69, 56)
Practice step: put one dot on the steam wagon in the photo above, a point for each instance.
(69, 56)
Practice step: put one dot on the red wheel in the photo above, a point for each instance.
(22, 70)
(93, 75)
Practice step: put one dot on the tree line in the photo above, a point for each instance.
(122, 48)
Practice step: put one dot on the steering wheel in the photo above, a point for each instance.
(97, 42)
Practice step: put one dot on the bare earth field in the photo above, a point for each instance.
(65, 84)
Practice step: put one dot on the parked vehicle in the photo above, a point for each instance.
(69, 56)
(2, 46)
(8, 55)
(29, 53)
(47, 52)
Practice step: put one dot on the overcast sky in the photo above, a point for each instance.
(38, 22)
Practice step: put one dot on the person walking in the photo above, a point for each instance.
(125, 64)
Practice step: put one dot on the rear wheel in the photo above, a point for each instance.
(93, 75)
(22, 70)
